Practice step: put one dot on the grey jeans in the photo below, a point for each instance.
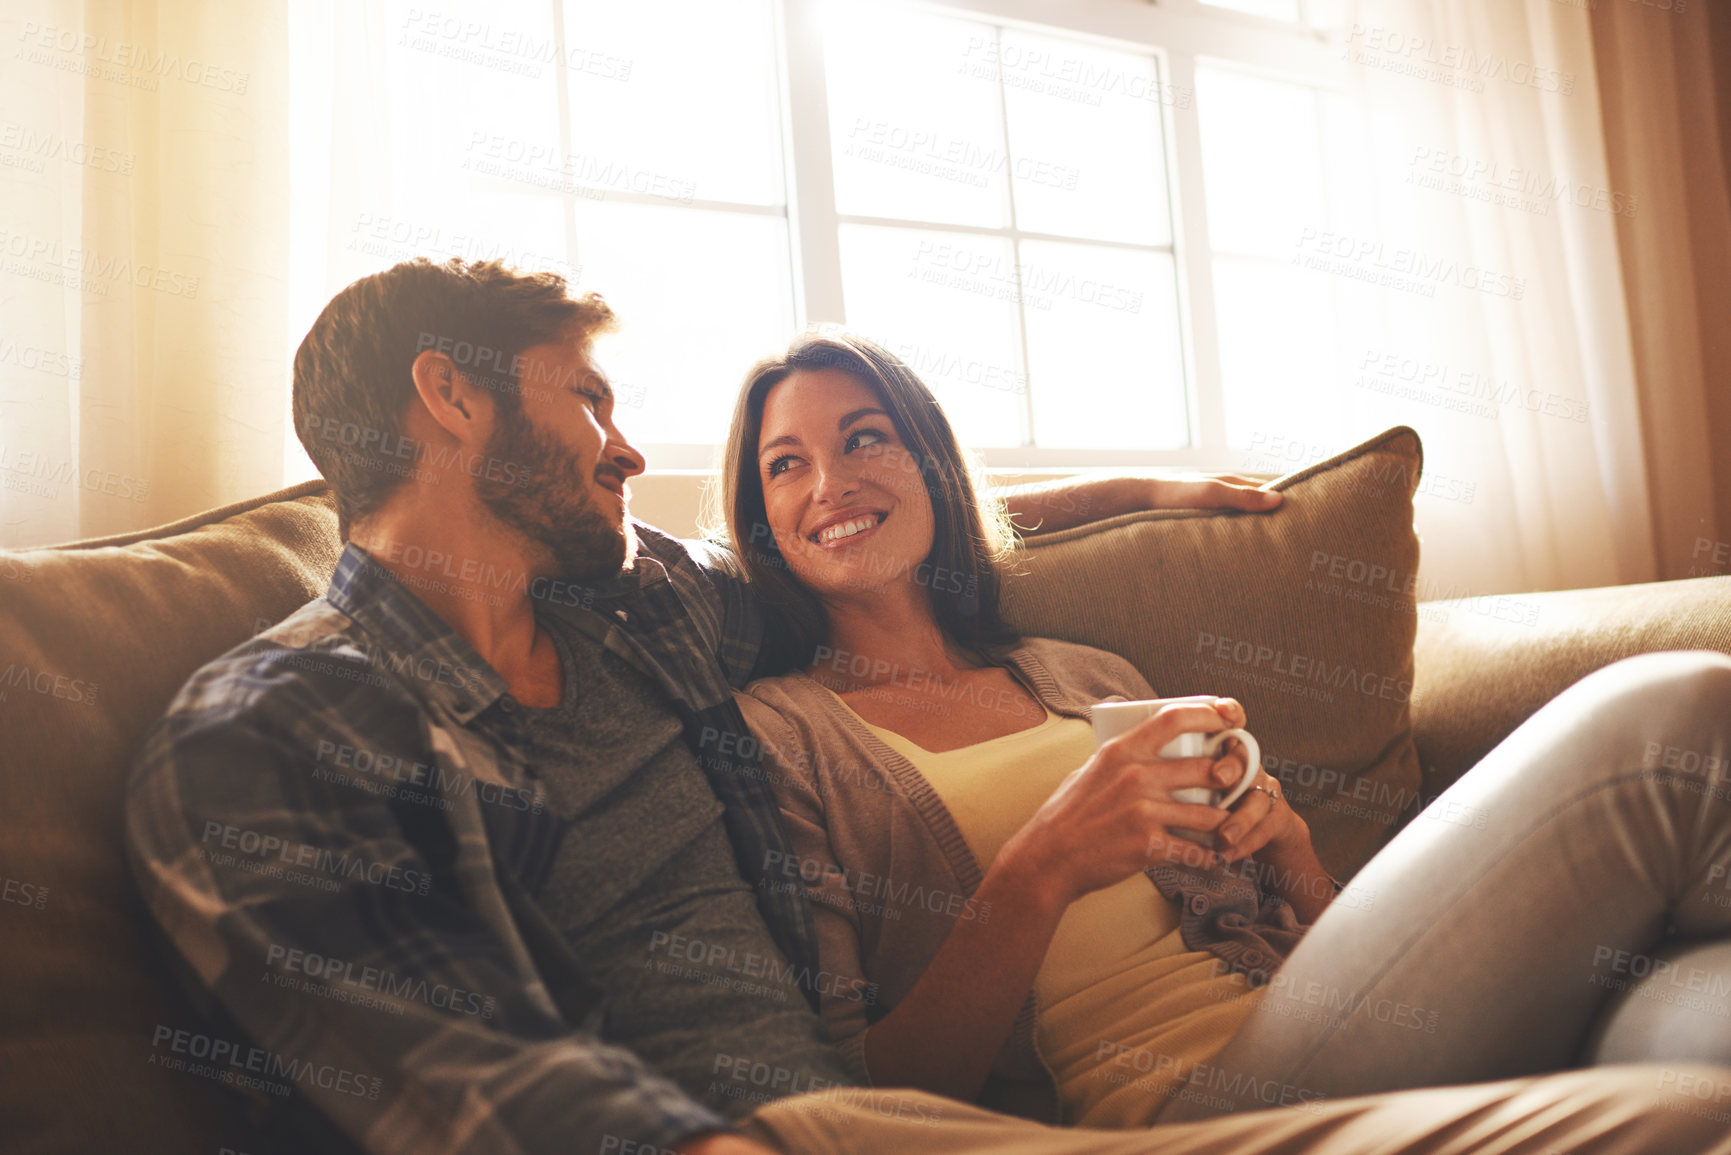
(1566, 903)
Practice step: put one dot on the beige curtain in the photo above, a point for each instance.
(1486, 152)
(143, 261)
(1665, 84)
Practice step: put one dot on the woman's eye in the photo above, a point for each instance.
(862, 438)
(777, 467)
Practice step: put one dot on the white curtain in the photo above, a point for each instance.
(143, 257)
(1485, 155)
(1663, 73)
(149, 317)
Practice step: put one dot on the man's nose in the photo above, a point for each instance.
(626, 456)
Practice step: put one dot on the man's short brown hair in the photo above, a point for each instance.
(352, 374)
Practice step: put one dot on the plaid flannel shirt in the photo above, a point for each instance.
(334, 841)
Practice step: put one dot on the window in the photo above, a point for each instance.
(1276, 329)
(1080, 236)
(1003, 226)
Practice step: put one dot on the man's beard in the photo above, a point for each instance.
(549, 502)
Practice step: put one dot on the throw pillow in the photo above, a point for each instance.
(1306, 615)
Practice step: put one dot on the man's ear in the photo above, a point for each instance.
(450, 397)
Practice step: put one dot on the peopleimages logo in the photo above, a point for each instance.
(1302, 668)
(117, 60)
(1188, 1079)
(1458, 65)
(503, 47)
(42, 474)
(932, 153)
(1464, 390)
(254, 849)
(1717, 553)
(38, 147)
(370, 442)
(398, 238)
(1370, 259)
(740, 1074)
(381, 772)
(1081, 77)
(986, 272)
(586, 175)
(46, 259)
(239, 1065)
(862, 884)
(377, 980)
(23, 893)
(55, 362)
(949, 366)
(48, 683)
(1509, 186)
(315, 648)
(719, 956)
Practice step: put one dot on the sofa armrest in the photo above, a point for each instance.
(1484, 665)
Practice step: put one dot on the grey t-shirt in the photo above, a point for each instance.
(644, 887)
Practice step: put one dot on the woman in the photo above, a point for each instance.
(1014, 899)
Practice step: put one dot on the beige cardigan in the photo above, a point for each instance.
(889, 872)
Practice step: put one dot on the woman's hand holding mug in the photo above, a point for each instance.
(1115, 815)
(1114, 718)
(1264, 821)
(1256, 822)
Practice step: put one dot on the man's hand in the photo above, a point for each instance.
(723, 1143)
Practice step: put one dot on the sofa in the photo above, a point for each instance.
(98, 635)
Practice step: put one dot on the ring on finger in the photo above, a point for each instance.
(1273, 793)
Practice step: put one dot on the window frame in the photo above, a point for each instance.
(1177, 33)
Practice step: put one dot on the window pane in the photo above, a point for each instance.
(456, 99)
(1085, 139)
(675, 98)
(1277, 354)
(1104, 353)
(1328, 15)
(701, 295)
(1273, 9)
(945, 304)
(913, 134)
(1261, 161)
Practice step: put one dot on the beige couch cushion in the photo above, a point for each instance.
(1305, 615)
(95, 638)
(1486, 664)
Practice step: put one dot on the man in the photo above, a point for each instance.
(466, 855)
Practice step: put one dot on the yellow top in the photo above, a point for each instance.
(1125, 1010)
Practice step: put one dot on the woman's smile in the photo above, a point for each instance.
(846, 529)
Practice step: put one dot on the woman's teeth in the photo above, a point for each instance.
(846, 529)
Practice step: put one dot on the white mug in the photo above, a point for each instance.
(1114, 718)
